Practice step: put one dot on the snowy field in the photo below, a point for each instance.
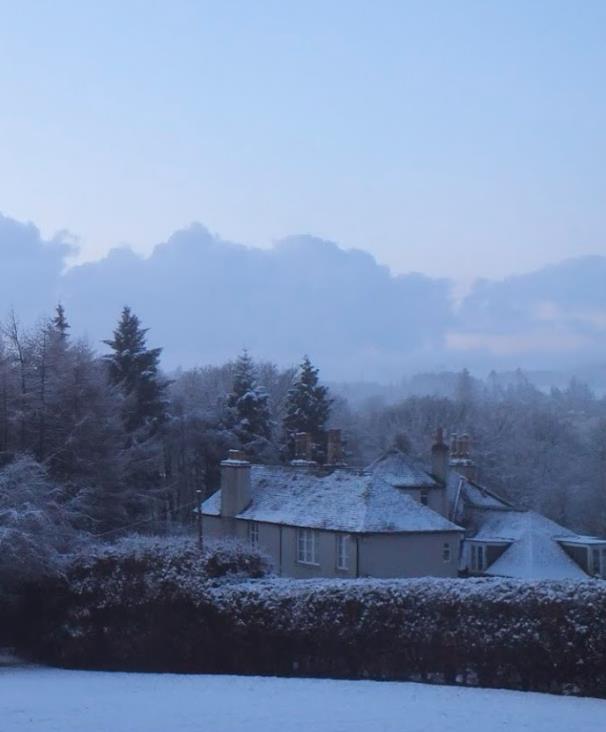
(51, 700)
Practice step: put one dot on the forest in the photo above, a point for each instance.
(99, 443)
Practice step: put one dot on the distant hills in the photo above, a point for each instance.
(204, 299)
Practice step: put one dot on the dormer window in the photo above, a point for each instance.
(588, 552)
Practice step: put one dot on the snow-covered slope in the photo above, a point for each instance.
(53, 700)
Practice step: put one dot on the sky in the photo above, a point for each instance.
(456, 139)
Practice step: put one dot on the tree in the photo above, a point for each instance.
(248, 402)
(134, 368)
(307, 405)
(59, 322)
(36, 523)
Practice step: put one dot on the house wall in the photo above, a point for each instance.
(409, 555)
(327, 556)
(217, 527)
(370, 555)
(436, 498)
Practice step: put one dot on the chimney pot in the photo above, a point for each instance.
(334, 447)
(235, 483)
(439, 457)
(303, 446)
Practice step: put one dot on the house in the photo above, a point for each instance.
(334, 521)
(395, 518)
(503, 540)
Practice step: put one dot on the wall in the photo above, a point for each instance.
(436, 498)
(372, 555)
(216, 527)
(327, 556)
(409, 555)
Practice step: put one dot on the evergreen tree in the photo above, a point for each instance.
(248, 402)
(134, 369)
(59, 322)
(307, 405)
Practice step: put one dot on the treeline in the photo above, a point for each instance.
(93, 445)
(96, 445)
(543, 450)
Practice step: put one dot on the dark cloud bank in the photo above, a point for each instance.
(204, 299)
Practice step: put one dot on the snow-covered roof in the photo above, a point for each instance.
(342, 500)
(400, 471)
(582, 540)
(461, 490)
(535, 552)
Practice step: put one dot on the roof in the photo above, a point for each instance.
(535, 552)
(399, 471)
(342, 500)
(463, 491)
(581, 540)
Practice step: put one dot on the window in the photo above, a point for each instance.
(307, 546)
(446, 552)
(253, 534)
(342, 551)
(424, 498)
(596, 568)
(477, 558)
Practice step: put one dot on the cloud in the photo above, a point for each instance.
(205, 298)
(31, 268)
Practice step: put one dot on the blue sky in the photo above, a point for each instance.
(454, 138)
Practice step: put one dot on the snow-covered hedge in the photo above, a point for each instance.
(547, 636)
(139, 568)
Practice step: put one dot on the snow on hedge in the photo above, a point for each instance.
(153, 605)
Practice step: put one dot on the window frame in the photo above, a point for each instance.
(308, 547)
(342, 554)
(478, 558)
(446, 552)
(597, 553)
(253, 534)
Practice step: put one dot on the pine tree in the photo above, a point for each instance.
(248, 402)
(59, 323)
(134, 368)
(307, 405)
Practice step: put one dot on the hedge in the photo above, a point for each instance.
(159, 610)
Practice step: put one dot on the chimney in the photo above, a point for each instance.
(235, 483)
(303, 447)
(460, 456)
(439, 457)
(334, 448)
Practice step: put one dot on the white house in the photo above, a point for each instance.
(395, 518)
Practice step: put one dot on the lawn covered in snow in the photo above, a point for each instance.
(54, 700)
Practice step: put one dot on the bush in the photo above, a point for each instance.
(148, 582)
(153, 606)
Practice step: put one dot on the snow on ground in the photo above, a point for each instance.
(54, 700)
